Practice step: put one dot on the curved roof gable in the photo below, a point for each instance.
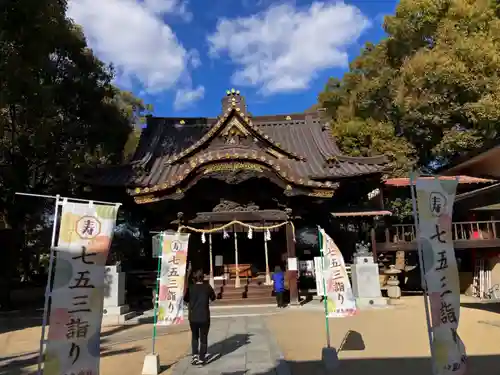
(224, 122)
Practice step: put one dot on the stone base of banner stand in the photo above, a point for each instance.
(151, 365)
(367, 302)
(116, 315)
(330, 359)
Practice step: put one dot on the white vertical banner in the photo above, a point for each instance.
(318, 273)
(435, 199)
(341, 301)
(172, 278)
(73, 343)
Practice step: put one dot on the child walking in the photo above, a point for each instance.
(279, 286)
(198, 297)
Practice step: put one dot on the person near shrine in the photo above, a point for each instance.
(279, 286)
(198, 297)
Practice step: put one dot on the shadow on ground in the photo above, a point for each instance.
(230, 344)
(26, 365)
(477, 365)
(485, 306)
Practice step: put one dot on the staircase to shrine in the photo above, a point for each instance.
(253, 291)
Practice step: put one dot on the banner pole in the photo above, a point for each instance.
(47, 287)
(325, 297)
(422, 265)
(157, 297)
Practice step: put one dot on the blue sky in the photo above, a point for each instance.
(182, 55)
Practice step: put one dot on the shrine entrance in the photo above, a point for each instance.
(238, 257)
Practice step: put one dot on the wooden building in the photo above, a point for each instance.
(260, 170)
(475, 226)
(482, 206)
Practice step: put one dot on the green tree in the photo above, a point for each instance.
(59, 111)
(431, 86)
(136, 111)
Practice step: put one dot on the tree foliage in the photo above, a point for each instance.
(428, 92)
(59, 110)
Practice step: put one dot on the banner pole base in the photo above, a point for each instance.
(151, 364)
(330, 359)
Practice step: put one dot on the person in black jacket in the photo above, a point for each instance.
(198, 296)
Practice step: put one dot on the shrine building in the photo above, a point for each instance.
(281, 174)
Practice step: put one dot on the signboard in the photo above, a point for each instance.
(219, 260)
(341, 301)
(292, 264)
(435, 208)
(172, 278)
(73, 343)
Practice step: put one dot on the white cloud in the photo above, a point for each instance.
(133, 36)
(185, 97)
(282, 48)
(178, 7)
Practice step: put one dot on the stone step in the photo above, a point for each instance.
(245, 301)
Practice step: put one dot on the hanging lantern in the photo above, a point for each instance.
(250, 234)
(225, 235)
(267, 235)
(203, 239)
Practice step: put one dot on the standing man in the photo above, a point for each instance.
(279, 286)
(198, 297)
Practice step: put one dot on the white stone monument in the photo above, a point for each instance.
(366, 282)
(115, 310)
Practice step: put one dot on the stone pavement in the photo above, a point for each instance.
(246, 347)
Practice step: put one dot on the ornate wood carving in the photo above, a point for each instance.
(227, 206)
(321, 193)
(233, 178)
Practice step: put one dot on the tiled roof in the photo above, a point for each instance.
(168, 146)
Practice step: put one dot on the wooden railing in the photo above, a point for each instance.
(461, 231)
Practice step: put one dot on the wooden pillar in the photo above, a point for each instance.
(266, 254)
(212, 281)
(237, 282)
(291, 275)
(373, 239)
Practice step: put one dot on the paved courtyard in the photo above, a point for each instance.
(246, 347)
(390, 341)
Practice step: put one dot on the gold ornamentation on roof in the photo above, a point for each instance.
(137, 190)
(179, 191)
(321, 193)
(288, 118)
(288, 187)
(182, 122)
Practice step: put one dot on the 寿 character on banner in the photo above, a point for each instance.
(437, 203)
(88, 227)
